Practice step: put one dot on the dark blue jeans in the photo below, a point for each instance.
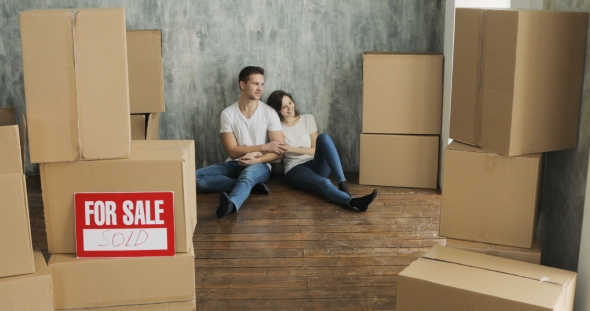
(232, 178)
(313, 174)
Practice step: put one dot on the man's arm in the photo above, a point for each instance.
(271, 156)
(234, 151)
(257, 157)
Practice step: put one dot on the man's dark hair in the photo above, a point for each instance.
(248, 71)
(275, 100)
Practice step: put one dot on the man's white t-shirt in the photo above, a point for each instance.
(298, 136)
(253, 131)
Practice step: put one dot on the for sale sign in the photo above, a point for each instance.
(124, 224)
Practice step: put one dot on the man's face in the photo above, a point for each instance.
(253, 88)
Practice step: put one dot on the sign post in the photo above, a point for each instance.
(124, 224)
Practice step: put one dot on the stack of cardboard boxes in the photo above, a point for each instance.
(402, 103)
(146, 82)
(517, 85)
(25, 282)
(78, 91)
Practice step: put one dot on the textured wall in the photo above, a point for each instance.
(560, 223)
(309, 48)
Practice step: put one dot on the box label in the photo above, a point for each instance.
(124, 224)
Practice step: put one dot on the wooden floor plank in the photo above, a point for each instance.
(286, 272)
(313, 236)
(333, 291)
(236, 283)
(342, 303)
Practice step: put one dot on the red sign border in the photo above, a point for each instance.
(171, 238)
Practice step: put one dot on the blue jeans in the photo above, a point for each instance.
(233, 178)
(313, 174)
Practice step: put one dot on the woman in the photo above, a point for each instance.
(309, 157)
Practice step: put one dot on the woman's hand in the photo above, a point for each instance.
(250, 158)
(285, 147)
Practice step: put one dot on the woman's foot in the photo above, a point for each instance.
(260, 188)
(362, 203)
(343, 187)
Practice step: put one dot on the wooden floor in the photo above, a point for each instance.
(293, 250)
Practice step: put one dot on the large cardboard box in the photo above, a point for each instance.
(145, 126)
(146, 73)
(490, 198)
(531, 255)
(8, 117)
(517, 79)
(402, 93)
(399, 160)
(82, 284)
(76, 86)
(447, 279)
(10, 151)
(155, 165)
(16, 250)
(28, 292)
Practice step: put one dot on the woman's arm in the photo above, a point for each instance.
(298, 150)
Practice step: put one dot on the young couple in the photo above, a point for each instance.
(255, 134)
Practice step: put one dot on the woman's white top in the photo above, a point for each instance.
(298, 136)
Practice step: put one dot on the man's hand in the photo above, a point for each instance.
(249, 159)
(273, 147)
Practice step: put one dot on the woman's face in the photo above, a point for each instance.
(287, 107)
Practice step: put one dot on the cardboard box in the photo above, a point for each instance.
(155, 165)
(16, 249)
(490, 198)
(145, 126)
(146, 73)
(10, 152)
(8, 117)
(451, 279)
(530, 255)
(28, 292)
(122, 282)
(517, 79)
(399, 160)
(76, 86)
(402, 93)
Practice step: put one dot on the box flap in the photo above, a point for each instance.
(487, 246)
(501, 265)
(153, 126)
(457, 146)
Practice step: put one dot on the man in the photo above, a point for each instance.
(246, 127)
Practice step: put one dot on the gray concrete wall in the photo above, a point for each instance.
(562, 209)
(309, 48)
